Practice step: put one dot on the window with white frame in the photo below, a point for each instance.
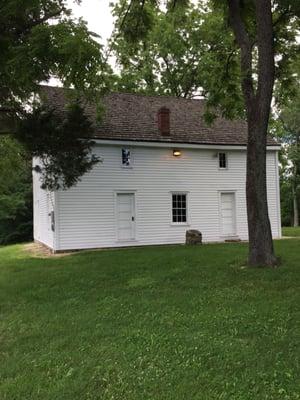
(126, 158)
(222, 160)
(179, 208)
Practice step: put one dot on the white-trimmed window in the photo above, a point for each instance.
(126, 158)
(179, 208)
(223, 160)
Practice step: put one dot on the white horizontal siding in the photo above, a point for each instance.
(86, 215)
(43, 204)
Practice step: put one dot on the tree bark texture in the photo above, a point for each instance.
(258, 97)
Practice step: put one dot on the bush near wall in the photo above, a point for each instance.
(15, 192)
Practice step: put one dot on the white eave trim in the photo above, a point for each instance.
(133, 143)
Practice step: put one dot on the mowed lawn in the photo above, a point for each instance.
(152, 323)
(291, 231)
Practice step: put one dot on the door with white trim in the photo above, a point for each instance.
(228, 214)
(125, 216)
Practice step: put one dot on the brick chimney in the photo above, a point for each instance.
(164, 121)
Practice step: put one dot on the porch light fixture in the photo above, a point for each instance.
(176, 153)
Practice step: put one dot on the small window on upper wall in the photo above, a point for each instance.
(126, 158)
(222, 160)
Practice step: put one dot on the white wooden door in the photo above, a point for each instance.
(125, 216)
(228, 214)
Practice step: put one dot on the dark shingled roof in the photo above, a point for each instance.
(134, 117)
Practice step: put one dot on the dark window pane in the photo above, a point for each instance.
(179, 210)
(222, 160)
(126, 157)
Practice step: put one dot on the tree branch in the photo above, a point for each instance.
(25, 29)
(245, 45)
(121, 25)
(230, 55)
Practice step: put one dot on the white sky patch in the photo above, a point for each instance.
(97, 14)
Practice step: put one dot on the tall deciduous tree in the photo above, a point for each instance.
(40, 40)
(261, 35)
(166, 59)
(256, 42)
(179, 54)
(258, 97)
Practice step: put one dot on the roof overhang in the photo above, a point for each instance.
(161, 144)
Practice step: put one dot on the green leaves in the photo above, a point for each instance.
(287, 129)
(39, 40)
(60, 145)
(15, 192)
(189, 50)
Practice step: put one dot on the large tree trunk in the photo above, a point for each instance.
(258, 97)
(261, 251)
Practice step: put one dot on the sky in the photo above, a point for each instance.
(97, 13)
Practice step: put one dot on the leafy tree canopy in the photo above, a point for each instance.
(187, 50)
(39, 40)
(60, 145)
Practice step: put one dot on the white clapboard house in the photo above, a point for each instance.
(164, 171)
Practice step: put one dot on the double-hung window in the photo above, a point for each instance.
(126, 158)
(222, 160)
(179, 208)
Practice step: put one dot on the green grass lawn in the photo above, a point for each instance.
(291, 231)
(153, 323)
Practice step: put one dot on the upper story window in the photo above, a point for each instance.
(126, 158)
(179, 208)
(222, 160)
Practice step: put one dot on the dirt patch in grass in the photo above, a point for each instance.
(40, 251)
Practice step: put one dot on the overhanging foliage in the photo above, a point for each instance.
(61, 145)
